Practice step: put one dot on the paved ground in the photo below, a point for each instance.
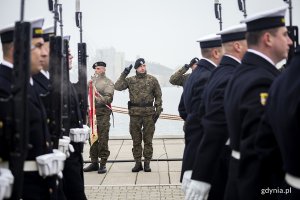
(120, 183)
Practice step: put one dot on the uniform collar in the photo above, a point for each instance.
(210, 61)
(45, 73)
(7, 64)
(261, 55)
(234, 58)
(31, 81)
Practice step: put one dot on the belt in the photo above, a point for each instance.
(30, 166)
(149, 104)
(293, 181)
(4, 164)
(235, 154)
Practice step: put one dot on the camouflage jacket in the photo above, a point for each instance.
(105, 88)
(179, 77)
(143, 89)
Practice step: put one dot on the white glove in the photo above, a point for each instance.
(186, 179)
(6, 183)
(197, 190)
(51, 164)
(79, 134)
(65, 146)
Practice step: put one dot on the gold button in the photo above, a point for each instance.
(47, 144)
(1, 124)
(50, 190)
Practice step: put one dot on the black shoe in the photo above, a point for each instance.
(102, 169)
(147, 166)
(137, 167)
(91, 167)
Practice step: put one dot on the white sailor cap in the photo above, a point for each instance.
(48, 32)
(233, 33)
(266, 20)
(7, 34)
(67, 37)
(210, 41)
(36, 26)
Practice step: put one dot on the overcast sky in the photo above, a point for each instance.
(163, 31)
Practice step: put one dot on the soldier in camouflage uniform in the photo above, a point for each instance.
(180, 76)
(143, 90)
(105, 88)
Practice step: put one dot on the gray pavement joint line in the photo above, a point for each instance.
(113, 163)
(167, 161)
(158, 168)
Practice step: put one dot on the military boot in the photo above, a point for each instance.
(102, 169)
(147, 166)
(92, 167)
(137, 167)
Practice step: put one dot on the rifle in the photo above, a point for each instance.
(59, 79)
(20, 84)
(218, 12)
(81, 85)
(66, 90)
(56, 88)
(242, 7)
(293, 33)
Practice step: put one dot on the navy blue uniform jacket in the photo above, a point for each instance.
(244, 109)
(192, 98)
(214, 124)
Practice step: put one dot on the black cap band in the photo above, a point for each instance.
(265, 23)
(210, 44)
(37, 32)
(7, 37)
(233, 36)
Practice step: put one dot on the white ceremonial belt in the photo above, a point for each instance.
(30, 166)
(293, 181)
(4, 164)
(236, 154)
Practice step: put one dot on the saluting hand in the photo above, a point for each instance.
(127, 69)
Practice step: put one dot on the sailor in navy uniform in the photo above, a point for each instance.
(279, 130)
(210, 170)
(246, 95)
(73, 180)
(6, 104)
(42, 78)
(192, 97)
(36, 186)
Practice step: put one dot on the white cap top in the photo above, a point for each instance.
(277, 12)
(266, 20)
(233, 29)
(49, 29)
(38, 23)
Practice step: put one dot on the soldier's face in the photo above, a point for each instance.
(70, 57)
(37, 54)
(45, 56)
(100, 70)
(141, 69)
(280, 44)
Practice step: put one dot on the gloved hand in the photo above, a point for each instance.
(197, 190)
(127, 69)
(194, 61)
(186, 180)
(186, 66)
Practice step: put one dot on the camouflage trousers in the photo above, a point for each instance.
(142, 128)
(100, 148)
